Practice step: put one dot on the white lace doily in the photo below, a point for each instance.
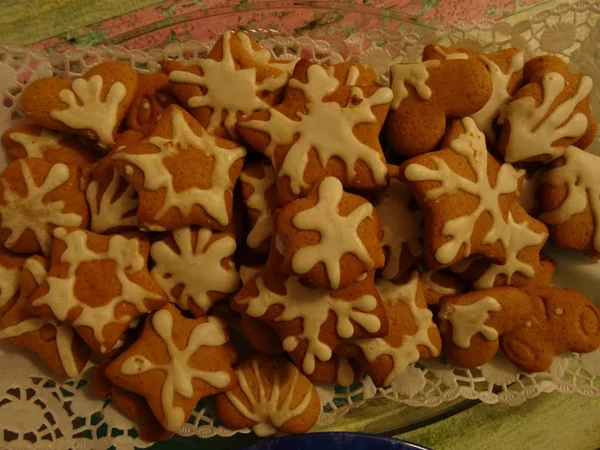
(39, 412)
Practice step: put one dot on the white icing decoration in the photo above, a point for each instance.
(86, 109)
(531, 132)
(32, 212)
(470, 145)
(108, 213)
(559, 311)
(345, 372)
(9, 284)
(266, 410)
(400, 226)
(263, 228)
(313, 307)
(37, 270)
(198, 269)
(500, 80)
(263, 56)
(446, 55)
(415, 75)
(61, 294)
(327, 128)
(468, 320)
(157, 177)
(528, 324)
(228, 89)
(353, 76)
(179, 375)
(580, 175)
(339, 234)
(408, 351)
(247, 273)
(35, 146)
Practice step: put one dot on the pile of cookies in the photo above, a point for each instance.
(233, 228)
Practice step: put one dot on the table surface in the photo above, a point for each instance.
(550, 421)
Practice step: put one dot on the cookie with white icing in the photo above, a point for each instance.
(33, 141)
(11, 265)
(183, 175)
(151, 99)
(505, 68)
(195, 267)
(570, 201)
(413, 334)
(310, 321)
(176, 362)
(112, 200)
(331, 237)
(549, 113)
(426, 94)
(439, 283)
(259, 191)
(272, 395)
(92, 106)
(468, 199)
(322, 128)
(98, 284)
(236, 78)
(56, 343)
(36, 196)
(401, 226)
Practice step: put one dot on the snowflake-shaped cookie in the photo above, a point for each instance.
(100, 308)
(195, 275)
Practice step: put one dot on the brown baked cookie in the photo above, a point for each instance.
(330, 237)
(310, 321)
(505, 68)
(272, 395)
(113, 201)
(569, 322)
(549, 113)
(151, 99)
(468, 200)
(98, 284)
(56, 343)
(413, 334)
(439, 283)
(195, 267)
(259, 191)
(471, 323)
(11, 266)
(426, 95)
(322, 128)
(529, 193)
(401, 225)
(236, 78)
(570, 201)
(92, 106)
(176, 362)
(183, 175)
(33, 141)
(36, 196)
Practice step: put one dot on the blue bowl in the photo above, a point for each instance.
(335, 441)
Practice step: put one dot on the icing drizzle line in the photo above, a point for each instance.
(263, 227)
(107, 213)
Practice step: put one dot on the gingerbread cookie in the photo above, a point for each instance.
(195, 267)
(176, 362)
(183, 175)
(506, 71)
(469, 203)
(92, 106)
(401, 225)
(236, 78)
(330, 237)
(33, 141)
(259, 191)
(10, 276)
(322, 128)
(529, 195)
(310, 321)
(546, 115)
(56, 343)
(426, 95)
(413, 334)
(98, 284)
(570, 201)
(151, 99)
(37, 196)
(439, 283)
(271, 395)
